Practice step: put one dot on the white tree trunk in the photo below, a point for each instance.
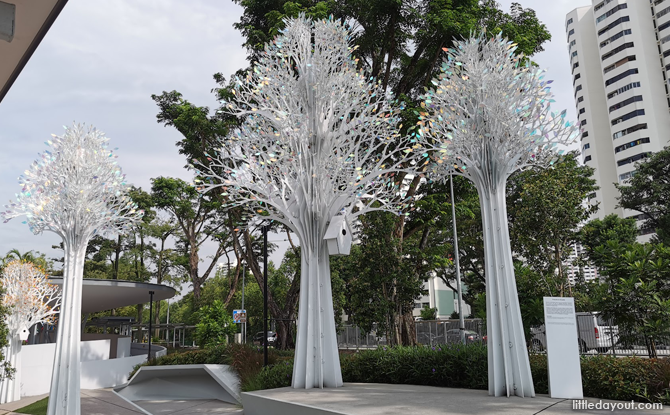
(10, 389)
(64, 394)
(317, 361)
(509, 367)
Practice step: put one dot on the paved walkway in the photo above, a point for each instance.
(106, 402)
(354, 399)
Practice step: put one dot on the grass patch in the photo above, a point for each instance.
(36, 408)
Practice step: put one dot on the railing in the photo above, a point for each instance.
(427, 332)
(605, 337)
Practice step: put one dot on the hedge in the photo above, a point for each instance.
(455, 366)
(604, 377)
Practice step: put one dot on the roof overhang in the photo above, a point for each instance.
(23, 25)
(101, 295)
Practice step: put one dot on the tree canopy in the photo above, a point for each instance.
(648, 192)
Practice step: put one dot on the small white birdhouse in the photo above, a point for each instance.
(338, 236)
(23, 334)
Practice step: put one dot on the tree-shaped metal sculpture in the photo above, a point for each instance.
(30, 299)
(318, 142)
(76, 190)
(488, 117)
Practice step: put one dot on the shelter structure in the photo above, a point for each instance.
(23, 25)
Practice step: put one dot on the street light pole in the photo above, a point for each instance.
(151, 306)
(461, 318)
(265, 295)
(244, 325)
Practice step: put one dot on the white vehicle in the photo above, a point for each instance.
(593, 333)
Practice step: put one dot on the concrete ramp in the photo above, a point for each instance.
(181, 383)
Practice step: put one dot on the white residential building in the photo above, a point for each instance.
(589, 270)
(620, 58)
(440, 296)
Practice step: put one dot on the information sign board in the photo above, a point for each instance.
(565, 373)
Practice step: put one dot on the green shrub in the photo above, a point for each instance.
(214, 325)
(538, 369)
(625, 379)
(278, 375)
(454, 366)
(247, 360)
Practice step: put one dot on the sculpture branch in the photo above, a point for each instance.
(318, 139)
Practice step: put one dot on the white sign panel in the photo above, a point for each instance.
(565, 373)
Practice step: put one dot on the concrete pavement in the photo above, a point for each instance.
(106, 402)
(383, 399)
(352, 399)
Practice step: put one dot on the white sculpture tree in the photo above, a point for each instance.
(30, 299)
(489, 116)
(76, 190)
(318, 139)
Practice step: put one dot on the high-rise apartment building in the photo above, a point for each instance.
(620, 59)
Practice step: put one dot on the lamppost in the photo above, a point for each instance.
(461, 319)
(151, 304)
(244, 325)
(266, 227)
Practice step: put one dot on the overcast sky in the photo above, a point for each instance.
(102, 60)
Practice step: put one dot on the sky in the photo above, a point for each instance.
(102, 60)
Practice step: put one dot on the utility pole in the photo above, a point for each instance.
(265, 294)
(151, 307)
(461, 318)
(244, 325)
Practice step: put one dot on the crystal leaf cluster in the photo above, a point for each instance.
(489, 113)
(76, 182)
(317, 136)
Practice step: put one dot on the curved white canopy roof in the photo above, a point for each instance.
(100, 295)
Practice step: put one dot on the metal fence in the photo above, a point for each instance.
(595, 336)
(427, 332)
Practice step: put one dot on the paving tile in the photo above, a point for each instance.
(184, 407)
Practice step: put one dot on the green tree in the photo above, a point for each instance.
(596, 233)
(545, 208)
(214, 326)
(638, 295)
(429, 313)
(199, 219)
(648, 192)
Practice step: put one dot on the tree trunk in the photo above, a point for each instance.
(65, 382)
(408, 329)
(193, 262)
(509, 367)
(117, 254)
(317, 361)
(140, 312)
(157, 318)
(10, 388)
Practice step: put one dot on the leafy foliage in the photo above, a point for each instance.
(545, 208)
(215, 325)
(648, 192)
(638, 299)
(624, 379)
(596, 233)
(429, 313)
